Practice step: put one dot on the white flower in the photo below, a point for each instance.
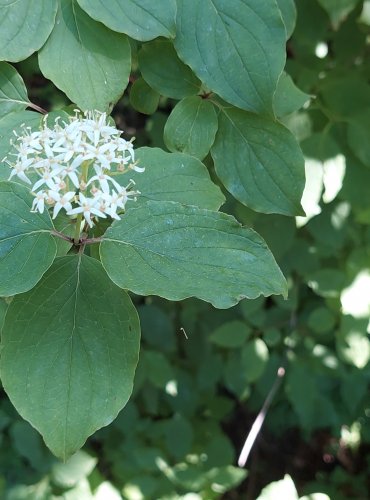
(19, 169)
(62, 201)
(71, 155)
(38, 203)
(48, 179)
(88, 206)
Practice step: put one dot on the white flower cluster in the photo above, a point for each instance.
(75, 163)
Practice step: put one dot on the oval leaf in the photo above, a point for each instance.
(176, 252)
(69, 352)
(13, 92)
(24, 27)
(174, 177)
(27, 247)
(165, 72)
(236, 48)
(143, 98)
(191, 127)
(86, 60)
(140, 19)
(259, 162)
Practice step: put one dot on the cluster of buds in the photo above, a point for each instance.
(72, 165)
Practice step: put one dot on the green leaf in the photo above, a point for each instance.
(304, 402)
(259, 162)
(27, 247)
(178, 436)
(86, 60)
(13, 92)
(239, 53)
(176, 252)
(254, 358)
(358, 136)
(156, 326)
(69, 352)
(140, 19)
(191, 127)
(143, 98)
(158, 369)
(64, 224)
(3, 309)
(174, 177)
(8, 123)
(345, 96)
(165, 72)
(338, 10)
(289, 14)
(288, 97)
(24, 27)
(28, 444)
(231, 334)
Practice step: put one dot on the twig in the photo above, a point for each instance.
(37, 108)
(62, 236)
(257, 424)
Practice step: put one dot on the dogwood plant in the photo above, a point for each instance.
(85, 219)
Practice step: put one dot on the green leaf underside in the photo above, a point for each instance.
(69, 352)
(173, 177)
(13, 92)
(27, 248)
(239, 52)
(86, 60)
(176, 252)
(24, 27)
(259, 162)
(165, 72)
(8, 123)
(140, 19)
(191, 127)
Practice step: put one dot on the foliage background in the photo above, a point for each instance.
(196, 395)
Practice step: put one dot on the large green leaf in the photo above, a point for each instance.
(24, 27)
(27, 247)
(191, 127)
(259, 162)
(236, 48)
(13, 92)
(9, 123)
(175, 251)
(165, 72)
(174, 177)
(140, 19)
(69, 352)
(86, 60)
